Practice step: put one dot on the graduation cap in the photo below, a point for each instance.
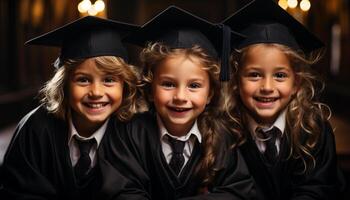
(177, 28)
(87, 37)
(264, 21)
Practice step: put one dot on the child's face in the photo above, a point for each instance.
(180, 91)
(267, 82)
(93, 95)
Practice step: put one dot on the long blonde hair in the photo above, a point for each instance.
(304, 112)
(53, 95)
(151, 57)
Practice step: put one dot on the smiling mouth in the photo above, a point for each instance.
(179, 109)
(265, 99)
(95, 105)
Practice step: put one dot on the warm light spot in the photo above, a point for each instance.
(37, 12)
(283, 4)
(84, 6)
(92, 11)
(305, 5)
(292, 3)
(99, 5)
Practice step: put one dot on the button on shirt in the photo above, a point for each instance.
(73, 146)
(280, 123)
(190, 141)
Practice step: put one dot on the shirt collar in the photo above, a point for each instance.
(194, 131)
(280, 123)
(98, 134)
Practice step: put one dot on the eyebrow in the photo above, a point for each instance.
(174, 78)
(80, 73)
(248, 67)
(283, 68)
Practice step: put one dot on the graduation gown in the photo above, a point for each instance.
(232, 181)
(37, 164)
(283, 180)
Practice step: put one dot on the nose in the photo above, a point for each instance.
(180, 95)
(267, 84)
(96, 90)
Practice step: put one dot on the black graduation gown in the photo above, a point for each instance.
(281, 181)
(233, 181)
(37, 164)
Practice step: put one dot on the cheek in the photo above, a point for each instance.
(75, 97)
(246, 93)
(247, 88)
(201, 98)
(75, 93)
(289, 94)
(160, 96)
(288, 90)
(117, 92)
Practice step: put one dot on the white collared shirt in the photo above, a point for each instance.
(280, 123)
(190, 141)
(73, 146)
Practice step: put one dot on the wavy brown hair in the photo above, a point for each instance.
(304, 111)
(210, 129)
(53, 95)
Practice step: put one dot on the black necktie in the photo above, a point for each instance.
(269, 137)
(178, 159)
(83, 165)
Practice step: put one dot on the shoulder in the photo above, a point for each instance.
(36, 129)
(145, 120)
(227, 152)
(141, 128)
(326, 140)
(326, 131)
(38, 117)
(144, 117)
(36, 121)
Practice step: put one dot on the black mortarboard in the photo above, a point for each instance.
(264, 21)
(87, 37)
(177, 28)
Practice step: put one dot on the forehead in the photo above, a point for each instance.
(261, 52)
(265, 55)
(89, 65)
(181, 65)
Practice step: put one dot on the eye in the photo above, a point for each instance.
(82, 80)
(253, 75)
(195, 85)
(110, 80)
(167, 84)
(281, 76)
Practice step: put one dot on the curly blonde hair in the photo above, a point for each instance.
(151, 57)
(304, 112)
(53, 95)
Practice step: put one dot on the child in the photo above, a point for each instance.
(289, 146)
(181, 142)
(65, 148)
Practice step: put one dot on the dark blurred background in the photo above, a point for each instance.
(24, 69)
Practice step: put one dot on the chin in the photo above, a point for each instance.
(97, 119)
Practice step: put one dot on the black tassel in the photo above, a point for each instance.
(225, 53)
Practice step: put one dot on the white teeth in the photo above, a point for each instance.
(266, 99)
(95, 105)
(180, 109)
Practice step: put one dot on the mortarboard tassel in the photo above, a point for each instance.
(225, 54)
